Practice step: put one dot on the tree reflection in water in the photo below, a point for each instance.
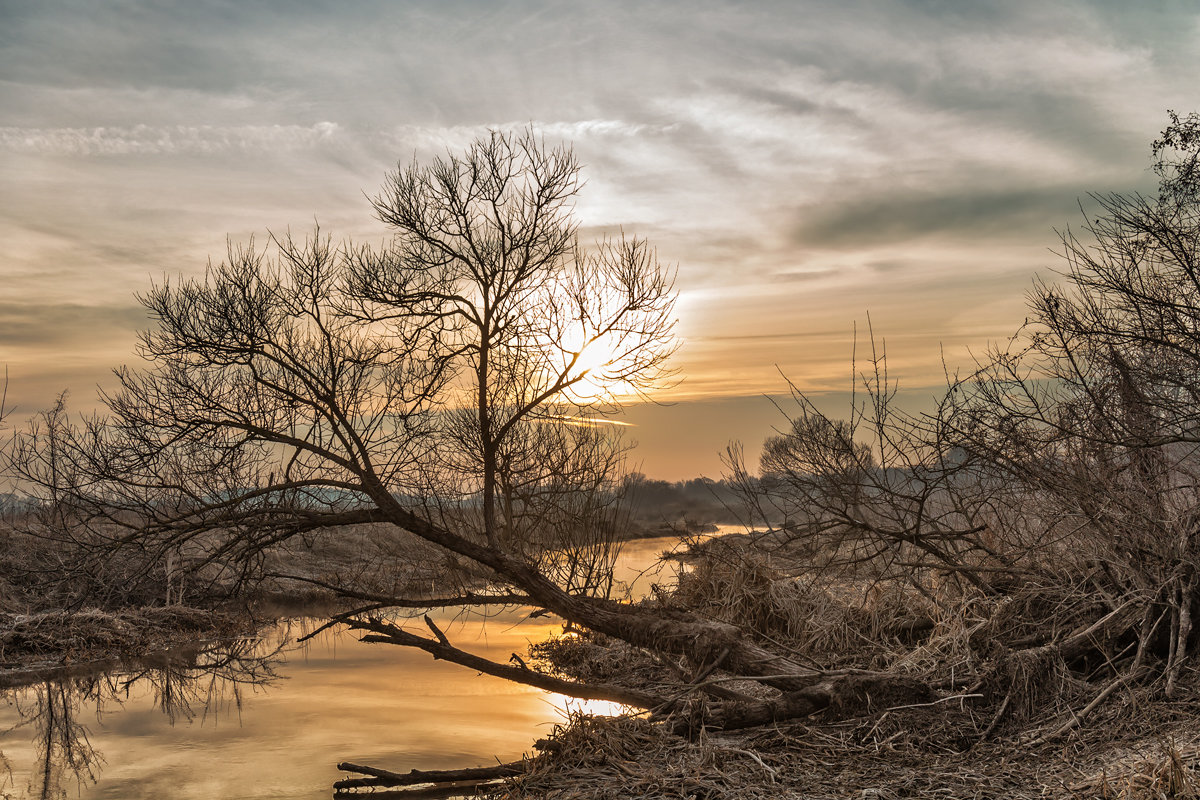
(185, 685)
(51, 710)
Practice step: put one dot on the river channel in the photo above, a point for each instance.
(267, 718)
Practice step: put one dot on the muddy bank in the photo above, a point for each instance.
(40, 639)
(57, 621)
(52, 645)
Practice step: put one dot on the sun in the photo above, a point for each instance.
(593, 362)
(595, 358)
(594, 368)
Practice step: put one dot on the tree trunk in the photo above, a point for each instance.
(700, 640)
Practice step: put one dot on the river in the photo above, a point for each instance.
(266, 718)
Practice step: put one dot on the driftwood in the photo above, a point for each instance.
(445, 782)
(1087, 639)
(841, 695)
(848, 693)
(381, 631)
(442, 791)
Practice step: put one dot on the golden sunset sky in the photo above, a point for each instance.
(803, 163)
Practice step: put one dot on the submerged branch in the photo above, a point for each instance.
(383, 777)
(380, 631)
(386, 601)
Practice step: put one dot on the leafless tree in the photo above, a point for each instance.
(1095, 407)
(1058, 478)
(881, 487)
(451, 384)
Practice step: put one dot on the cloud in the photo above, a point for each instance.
(28, 326)
(971, 218)
(166, 140)
(801, 163)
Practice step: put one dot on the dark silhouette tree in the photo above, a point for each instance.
(1096, 409)
(447, 384)
(1059, 477)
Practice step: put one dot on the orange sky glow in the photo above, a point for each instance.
(803, 165)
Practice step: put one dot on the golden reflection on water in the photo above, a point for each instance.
(336, 699)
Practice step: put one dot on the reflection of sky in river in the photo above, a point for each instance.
(336, 700)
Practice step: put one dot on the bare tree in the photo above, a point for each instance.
(544, 330)
(1055, 486)
(881, 487)
(450, 385)
(1095, 408)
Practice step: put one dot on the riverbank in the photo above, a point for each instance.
(886, 755)
(55, 645)
(50, 627)
(970, 738)
(1019, 706)
(60, 611)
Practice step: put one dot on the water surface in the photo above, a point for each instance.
(264, 718)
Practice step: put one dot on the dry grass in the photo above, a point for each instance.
(93, 634)
(1005, 724)
(1166, 770)
(903, 753)
(838, 621)
(628, 757)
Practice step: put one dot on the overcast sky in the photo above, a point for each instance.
(803, 163)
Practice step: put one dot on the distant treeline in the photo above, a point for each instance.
(699, 501)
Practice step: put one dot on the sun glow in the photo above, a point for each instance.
(595, 357)
(592, 367)
(591, 422)
(594, 363)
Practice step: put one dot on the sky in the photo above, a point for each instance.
(803, 164)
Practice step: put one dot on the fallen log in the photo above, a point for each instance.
(698, 639)
(1089, 638)
(844, 695)
(851, 693)
(443, 791)
(467, 777)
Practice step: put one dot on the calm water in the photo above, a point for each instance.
(268, 719)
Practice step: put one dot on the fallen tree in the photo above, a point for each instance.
(454, 385)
